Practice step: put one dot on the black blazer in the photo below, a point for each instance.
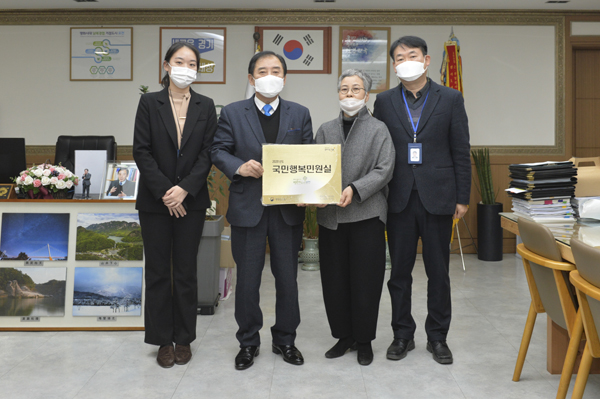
(444, 178)
(128, 187)
(239, 138)
(155, 151)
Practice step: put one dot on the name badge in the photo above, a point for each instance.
(415, 155)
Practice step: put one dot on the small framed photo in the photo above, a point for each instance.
(210, 42)
(305, 49)
(90, 166)
(121, 181)
(366, 49)
(101, 54)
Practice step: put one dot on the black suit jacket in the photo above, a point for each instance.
(239, 138)
(86, 179)
(156, 156)
(128, 188)
(444, 177)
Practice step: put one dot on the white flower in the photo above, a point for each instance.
(68, 174)
(46, 172)
(53, 180)
(69, 184)
(38, 172)
(60, 170)
(61, 184)
(28, 181)
(45, 181)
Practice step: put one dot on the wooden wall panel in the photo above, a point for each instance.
(587, 122)
(587, 77)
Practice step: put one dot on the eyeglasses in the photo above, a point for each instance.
(355, 90)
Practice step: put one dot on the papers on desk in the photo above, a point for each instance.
(542, 192)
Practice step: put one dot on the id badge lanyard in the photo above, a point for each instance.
(414, 148)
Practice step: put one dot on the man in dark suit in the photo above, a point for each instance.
(86, 183)
(244, 126)
(431, 186)
(121, 187)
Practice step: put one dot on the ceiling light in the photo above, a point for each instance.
(557, 1)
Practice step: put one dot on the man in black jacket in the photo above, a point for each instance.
(431, 186)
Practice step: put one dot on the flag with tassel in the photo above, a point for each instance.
(451, 69)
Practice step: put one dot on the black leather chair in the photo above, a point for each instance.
(66, 146)
(12, 158)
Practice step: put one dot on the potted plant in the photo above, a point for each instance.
(489, 231)
(46, 181)
(310, 254)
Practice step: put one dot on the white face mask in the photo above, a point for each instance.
(410, 70)
(351, 106)
(269, 86)
(182, 77)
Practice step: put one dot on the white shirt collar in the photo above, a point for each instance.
(260, 104)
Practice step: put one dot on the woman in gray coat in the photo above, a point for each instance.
(352, 234)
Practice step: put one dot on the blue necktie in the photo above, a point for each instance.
(267, 109)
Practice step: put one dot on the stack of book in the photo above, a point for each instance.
(542, 192)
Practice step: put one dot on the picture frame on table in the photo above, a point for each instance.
(210, 42)
(366, 49)
(95, 163)
(121, 181)
(99, 54)
(306, 49)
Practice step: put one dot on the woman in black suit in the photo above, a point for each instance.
(174, 129)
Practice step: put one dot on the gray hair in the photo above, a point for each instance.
(367, 81)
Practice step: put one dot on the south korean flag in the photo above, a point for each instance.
(302, 49)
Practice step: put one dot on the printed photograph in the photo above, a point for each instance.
(32, 291)
(34, 236)
(107, 291)
(109, 236)
(121, 181)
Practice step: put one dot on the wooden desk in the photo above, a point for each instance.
(558, 337)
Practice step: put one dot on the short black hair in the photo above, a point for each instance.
(410, 42)
(263, 54)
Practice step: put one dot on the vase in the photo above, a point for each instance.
(310, 254)
(489, 232)
(62, 194)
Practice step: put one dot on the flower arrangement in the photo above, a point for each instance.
(44, 180)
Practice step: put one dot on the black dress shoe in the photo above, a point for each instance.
(365, 354)
(290, 354)
(340, 349)
(399, 348)
(245, 357)
(166, 356)
(441, 352)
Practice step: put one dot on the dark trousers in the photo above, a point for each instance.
(404, 230)
(352, 271)
(171, 299)
(86, 191)
(248, 246)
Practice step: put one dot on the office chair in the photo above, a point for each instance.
(66, 146)
(12, 158)
(586, 280)
(547, 279)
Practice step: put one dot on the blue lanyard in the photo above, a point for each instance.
(415, 127)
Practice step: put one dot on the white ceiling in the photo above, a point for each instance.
(308, 4)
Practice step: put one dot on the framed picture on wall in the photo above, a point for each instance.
(210, 42)
(101, 54)
(121, 181)
(305, 49)
(366, 49)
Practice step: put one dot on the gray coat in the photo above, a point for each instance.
(368, 158)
